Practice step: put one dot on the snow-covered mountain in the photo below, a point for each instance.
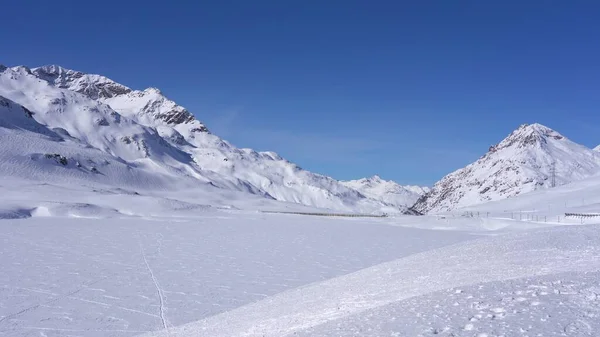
(532, 157)
(387, 191)
(153, 142)
(597, 148)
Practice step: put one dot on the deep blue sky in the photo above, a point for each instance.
(409, 90)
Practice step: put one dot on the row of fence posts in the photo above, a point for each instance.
(521, 216)
(530, 217)
(472, 215)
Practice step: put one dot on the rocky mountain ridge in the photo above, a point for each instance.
(159, 140)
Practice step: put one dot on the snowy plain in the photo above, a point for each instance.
(121, 276)
(93, 261)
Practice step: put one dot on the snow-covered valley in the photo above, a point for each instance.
(87, 261)
(121, 214)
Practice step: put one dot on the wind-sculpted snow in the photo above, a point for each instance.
(347, 300)
(566, 304)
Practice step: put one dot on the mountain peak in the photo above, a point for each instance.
(153, 90)
(93, 86)
(149, 102)
(528, 135)
(56, 74)
(55, 69)
(535, 130)
(22, 69)
(522, 162)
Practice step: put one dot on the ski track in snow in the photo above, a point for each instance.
(159, 290)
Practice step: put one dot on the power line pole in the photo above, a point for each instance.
(553, 175)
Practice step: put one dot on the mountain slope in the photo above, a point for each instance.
(550, 205)
(597, 148)
(93, 124)
(387, 191)
(149, 107)
(522, 162)
(33, 151)
(148, 132)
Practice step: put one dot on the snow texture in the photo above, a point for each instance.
(565, 304)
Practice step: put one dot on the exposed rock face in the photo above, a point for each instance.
(150, 102)
(93, 86)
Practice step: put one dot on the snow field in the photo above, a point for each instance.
(504, 257)
(565, 304)
(123, 276)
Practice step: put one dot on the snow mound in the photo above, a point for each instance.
(75, 210)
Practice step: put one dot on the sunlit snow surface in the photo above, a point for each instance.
(104, 261)
(120, 277)
(557, 305)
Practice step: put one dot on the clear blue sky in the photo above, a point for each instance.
(409, 90)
